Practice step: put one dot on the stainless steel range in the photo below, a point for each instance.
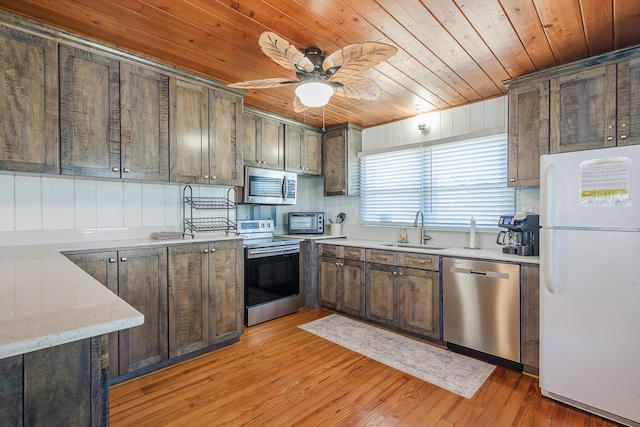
(271, 271)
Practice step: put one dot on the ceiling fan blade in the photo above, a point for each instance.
(283, 52)
(298, 106)
(357, 88)
(263, 83)
(352, 59)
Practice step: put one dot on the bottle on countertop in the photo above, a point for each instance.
(403, 236)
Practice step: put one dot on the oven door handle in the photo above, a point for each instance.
(270, 251)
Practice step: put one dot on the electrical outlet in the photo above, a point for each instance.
(527, 208)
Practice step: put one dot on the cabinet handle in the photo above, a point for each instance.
(206, 177)
(112, 260)
(609, 138)
(214, 177)
(213, 250)
(341, 265)
(623, 125)
(512, 180)
(115, 169)
(125, 170)
(338, 264)
(623, 136)
(344, 191)
(205, 251)
(123, 259)
(400, 274)
(395, 272)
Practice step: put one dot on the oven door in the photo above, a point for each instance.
(271, 286)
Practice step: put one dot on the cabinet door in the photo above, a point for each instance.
(629, 102)
(334, 165)
(225, 149)
(528, 133)
(12, 391)
(89, 113)
(103, 267)
(188, 298)
(380, 293)
(329, 282)
(144, 119)
(529, 317)
(312, 152)
(252, 130)
(142, 280)
(29, 135)
(188, 133)
(272, 144)
(226, 303)
(293, 141)
(352, 288)
(583, 110)
(419, 301)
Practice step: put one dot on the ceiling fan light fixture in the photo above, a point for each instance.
(314, 94)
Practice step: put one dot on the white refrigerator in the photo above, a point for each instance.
(590, 281)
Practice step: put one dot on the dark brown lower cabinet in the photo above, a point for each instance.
(65, 385)
(419, 301)
(530, 317)
(142, 283)
(226, 302)
(341, 284)
(205, 295)
(380, 293)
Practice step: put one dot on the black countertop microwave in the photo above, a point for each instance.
(306, 222)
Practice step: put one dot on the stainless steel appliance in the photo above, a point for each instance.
(270, 187)
(481, 306)
(271, 272)
(521, 236)
(306, 222)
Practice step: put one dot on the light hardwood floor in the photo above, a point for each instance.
(280, 375)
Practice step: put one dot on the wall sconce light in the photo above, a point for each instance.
(424, 128)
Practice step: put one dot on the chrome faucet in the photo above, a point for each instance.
(423, 237)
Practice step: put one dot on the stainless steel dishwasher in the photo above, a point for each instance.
(481, 306)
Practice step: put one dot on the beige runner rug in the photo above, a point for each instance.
(452, 371)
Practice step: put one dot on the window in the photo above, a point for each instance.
(450, 183)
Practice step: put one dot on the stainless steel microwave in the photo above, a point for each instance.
(270, 187)
(306, 222)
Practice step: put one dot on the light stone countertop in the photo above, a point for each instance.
(453, 251)
(46, 300)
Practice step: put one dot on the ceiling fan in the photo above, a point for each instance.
(319, 77)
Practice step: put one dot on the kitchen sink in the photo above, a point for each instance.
(410, 246)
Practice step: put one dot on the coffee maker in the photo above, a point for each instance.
(521, 236)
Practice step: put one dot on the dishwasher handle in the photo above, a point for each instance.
(495, 274)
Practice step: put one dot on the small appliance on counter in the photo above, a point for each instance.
(306, 222)
(521, 236)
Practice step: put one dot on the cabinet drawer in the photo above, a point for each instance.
(421, 261)
(382, 257)
(330, 250)
(354, 253)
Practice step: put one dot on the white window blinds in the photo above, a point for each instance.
(448, 182)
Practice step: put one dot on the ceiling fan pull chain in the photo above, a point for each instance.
(323, 119)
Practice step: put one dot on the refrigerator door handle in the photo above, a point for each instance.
(547, 255)
(548, 197)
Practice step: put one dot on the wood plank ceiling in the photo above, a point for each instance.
(451, 52)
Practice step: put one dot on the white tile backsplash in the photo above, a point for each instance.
(152, 204)
(58, 197)
(86, 207)
(110, 204)
(132, 204)
(7, 205)
(28, 203)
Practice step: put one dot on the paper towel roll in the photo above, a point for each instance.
(472, 234)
